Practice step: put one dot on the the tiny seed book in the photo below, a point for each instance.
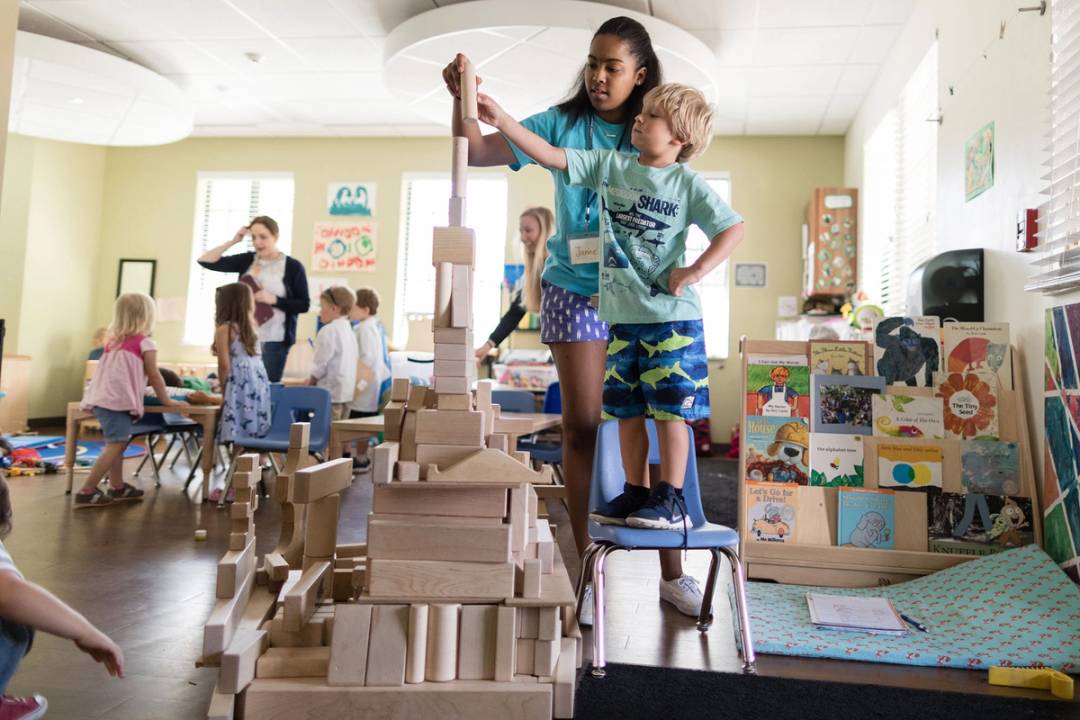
(772, 511)
(866, 518)
(901, 416)
(839, 357)
(969, 404)
(836, 460)
(777, 450)
(778, 386)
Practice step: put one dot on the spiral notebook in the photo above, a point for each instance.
(855, 614)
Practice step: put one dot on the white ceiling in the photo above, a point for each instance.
(782, 66)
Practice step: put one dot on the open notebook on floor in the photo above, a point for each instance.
(857, 614)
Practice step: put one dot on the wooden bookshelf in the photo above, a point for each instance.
(814, 558)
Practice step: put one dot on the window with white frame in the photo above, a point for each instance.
(425, 207)
(900, 190)
(223, 203)
(713, 290)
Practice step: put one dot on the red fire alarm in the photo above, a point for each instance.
(1027, 225)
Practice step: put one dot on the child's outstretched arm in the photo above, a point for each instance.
(29, 604)
(720, 247)
(156, 381)
(530, 143)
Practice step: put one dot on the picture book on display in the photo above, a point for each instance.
(866, 518)
(875, 615)
(907, 351)
(906, 466)
(973, 346)
(772, 510)
(969, 404)
(777, 449)
(836, 460)
(990, 467)
(978, 524)
(839, 357)
(777, 386)
(902, 416)
(842, 404)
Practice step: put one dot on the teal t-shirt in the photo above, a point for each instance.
(646, 213)
(573, 224)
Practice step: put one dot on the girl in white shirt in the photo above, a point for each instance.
(334, 367)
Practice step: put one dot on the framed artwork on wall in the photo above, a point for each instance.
(136, 276)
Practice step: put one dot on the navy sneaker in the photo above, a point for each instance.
(664, 510)
(631, 500)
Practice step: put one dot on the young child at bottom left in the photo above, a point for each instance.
(115, 396)
(336, 353)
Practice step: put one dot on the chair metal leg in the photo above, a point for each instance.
(739, 579)
(599, 662)
(156, 466)
(149, 454)
(194, 469)
(584, 576)
(705, 617)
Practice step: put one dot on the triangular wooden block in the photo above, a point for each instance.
(489, 465)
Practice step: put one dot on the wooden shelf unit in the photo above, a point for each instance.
(817, 563)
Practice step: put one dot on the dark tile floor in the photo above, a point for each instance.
(136, 572)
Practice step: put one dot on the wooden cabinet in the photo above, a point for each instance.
(15, 382)
(832, 242)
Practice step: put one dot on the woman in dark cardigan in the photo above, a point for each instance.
(279, 282)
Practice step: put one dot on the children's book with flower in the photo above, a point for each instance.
(970, 404)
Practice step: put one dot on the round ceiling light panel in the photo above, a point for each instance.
(528, 53)
(64, 91)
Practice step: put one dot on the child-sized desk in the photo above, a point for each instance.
(205, 415)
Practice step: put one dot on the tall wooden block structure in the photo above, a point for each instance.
(425, 615)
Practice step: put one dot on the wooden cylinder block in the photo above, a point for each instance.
(442, 642)
(459, 169)
(416, 658)
(468, 92)
(444, 285)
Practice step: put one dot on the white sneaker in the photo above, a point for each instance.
(586, 618)
(684, 593)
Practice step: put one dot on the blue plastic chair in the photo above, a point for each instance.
(547, 452)
(514, 401)
(607, 482)
(290, 405)
(553, 399)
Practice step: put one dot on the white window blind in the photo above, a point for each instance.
(713, 291)
(223, 203)
(426, 207)
(1058, 267)
(900, 189)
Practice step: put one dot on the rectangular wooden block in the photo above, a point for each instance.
(238, 660)
(293, 662)
(276, 567)
(244, 494)
(454, 368)
(342, 587)
(315, 631)
(382, 465)
(245, 525)
(433, 500)
(399, 390)
(241, 481)
(519, 528)
(421, 521)
(461, 298)
(241, 510)
(531, 579)
(446, 579)
(238, 540)
(454, 352)
(403, 540)
(349, 645)
(387, 645)
(477, 649)
(526, 652)
(351, 550)
(320, 533)
(545, 656)
(455, 402)
(408, 471)
(407, 451)
(456, 245)
(450, 427)
(393, 417)
(300, 435)
(222, 706)
(247, 463)
(444, 288)
(506, 643)
(300, 600)
(453, 336)
(233, 567)
(545, 547)
(442, 455)
(528, 623)
(513, 425)
(418, 396)
(223, 620)
(318, 481)
(549, 624)
(498, 441)
(452, 385)
(565, 680)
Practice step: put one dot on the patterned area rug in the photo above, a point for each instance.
(1015, 608)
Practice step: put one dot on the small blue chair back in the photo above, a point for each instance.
(608, 476)
(553, 399)
(514, 401)
(300, 404)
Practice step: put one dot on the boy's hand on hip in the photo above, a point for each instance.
(680, 278)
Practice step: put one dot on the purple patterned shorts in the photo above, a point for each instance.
(567, 317)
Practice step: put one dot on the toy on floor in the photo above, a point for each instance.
(23, 461)
(1059, 684)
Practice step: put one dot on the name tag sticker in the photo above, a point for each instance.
(584, 250)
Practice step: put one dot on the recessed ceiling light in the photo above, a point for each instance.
(75, 101)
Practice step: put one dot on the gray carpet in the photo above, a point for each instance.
(719, 489)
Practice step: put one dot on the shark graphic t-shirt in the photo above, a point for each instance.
(645, 213)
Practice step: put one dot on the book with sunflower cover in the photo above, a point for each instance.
(969, 403)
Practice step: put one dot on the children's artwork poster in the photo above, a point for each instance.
(1061, 418)
(990, 467)
(778, 386)
(866, 518)
(905, 466)
(839, 357)
(318, 283)
(836, 460)
(843, 404)
(977, 524)
(902, 416)
(342, 245)
(351, 198)
(978, 346)
(772, 511)
(777, 449)
(907, 351)
(979, 162)
(969, 404)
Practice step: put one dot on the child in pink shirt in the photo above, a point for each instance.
(115, 395)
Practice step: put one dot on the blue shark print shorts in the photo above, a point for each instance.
(658, 370)
(568, 317)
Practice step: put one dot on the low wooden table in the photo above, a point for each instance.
(205, 415)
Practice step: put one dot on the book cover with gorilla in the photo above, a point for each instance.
(866, 518)
(777, 450)
(907, 351)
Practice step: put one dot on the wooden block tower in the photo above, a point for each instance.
(458, 604)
